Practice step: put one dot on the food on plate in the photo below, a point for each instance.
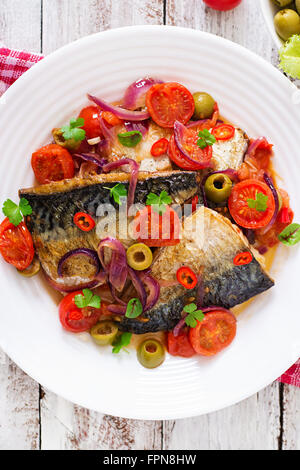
(151, 216)
(287, 23)
(222, 5)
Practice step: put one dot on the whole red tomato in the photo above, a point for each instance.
(222, 4)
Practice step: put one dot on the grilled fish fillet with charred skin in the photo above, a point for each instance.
(209, 244)
(54, 206)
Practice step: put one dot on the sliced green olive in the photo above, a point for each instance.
(32, 269)
(204, 105)
(104, 332)
(59, 139)
(139, 256)
(151, 353)
(218, 187)
(282, 3)
(287, 23)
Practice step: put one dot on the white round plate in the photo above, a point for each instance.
(251, 93)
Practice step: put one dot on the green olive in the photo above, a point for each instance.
(218, 187)
(151, 353)
(204, 105)
(298, 5)
(139, 256)
(287, 23)
(282, 3)
(69, 144)
(32, 269)
(104, 332)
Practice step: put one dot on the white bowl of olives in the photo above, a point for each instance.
(282, 18)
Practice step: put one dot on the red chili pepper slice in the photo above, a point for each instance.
(195, 201)
(223, 132)
(243, 258)
(84, 221)
(159, 148)
(284, 216)
(186, 277)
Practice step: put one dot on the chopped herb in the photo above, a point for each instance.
(134, 308)
(121, 341)
(260, 203)
(160, 202)
(205, 139)
(88, 299)
(130, 139)
(117, 192)
(16, 212)
(193, 315)
(73, 130)
(290, 235)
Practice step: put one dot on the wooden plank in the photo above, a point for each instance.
(20, 24)
(291, 418)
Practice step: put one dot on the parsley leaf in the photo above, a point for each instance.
(88, 299)
(121, 342)
(15, 212)
(159, 202)
(205, 139)
(259, 203)
(73, 130)
(130, 139)
(117, 192)
(193, 315)
(290, 235)
(134, 308)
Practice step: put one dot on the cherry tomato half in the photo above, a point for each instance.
(52, 163)
(90, 114)
(214, 333)
(180, 345)
(186, 277)
(76, 319)
(223, 132)
(170, 102)
(159, 148)
(222, 5)
(84, 221)
(243, 258)
(239, 208)
(201, 156)
(16, 245)
(155, 229)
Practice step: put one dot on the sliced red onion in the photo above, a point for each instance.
(61, 288)
(193, 124)
(117, 267)
(115, 296)
(79, 251)
(179, 130)
(269, 182)
(138, 285)
(133, 178)
(211, 308)
(120, 112)
(135, 94)
(179, 326)
(262, 250)
(92, 158)
(154, 290)
(254, 145)
(141, 127)
(117, 309)
(249, 234)
(108, 132)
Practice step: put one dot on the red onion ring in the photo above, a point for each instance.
(78, 251)
(139, 286)
(135, 94)
(117, 268)
(179, 326)
(120, 112)
(154, 290)
(115, 297)
(134, 175)
(179, 129)
(141, 127)
(108, 132)
(269, 182)
(117, 309)
(66, 289)
(92, 158)
(254, 145)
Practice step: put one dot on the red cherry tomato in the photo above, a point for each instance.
(223, 132)
(155, 229)
(186, 277)
(84, 221)
(222, 5)
(180, 345)
(16, 244)
(159, 148)
(214, 333)
(177, 157)
(243, 258)
(170, 102)
(91, 121)
(239, 208)
(52, 163)
(202, 156)
(76, 319)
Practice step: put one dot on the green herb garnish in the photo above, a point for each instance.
(121, 342)
(205, 139)
(130, 139)
(134, 308)
(290, 235)
(260, 203)
(193, 315)
(290, 57)
(88, 299)
(117, 192)
(16, 212)
(73, 130)
(160, 202)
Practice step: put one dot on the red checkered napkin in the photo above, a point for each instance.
(12, 64)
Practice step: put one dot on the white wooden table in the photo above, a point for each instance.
(34, 418)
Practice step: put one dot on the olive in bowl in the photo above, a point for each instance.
(287, 23)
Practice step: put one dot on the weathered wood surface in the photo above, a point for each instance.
(35, 418)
